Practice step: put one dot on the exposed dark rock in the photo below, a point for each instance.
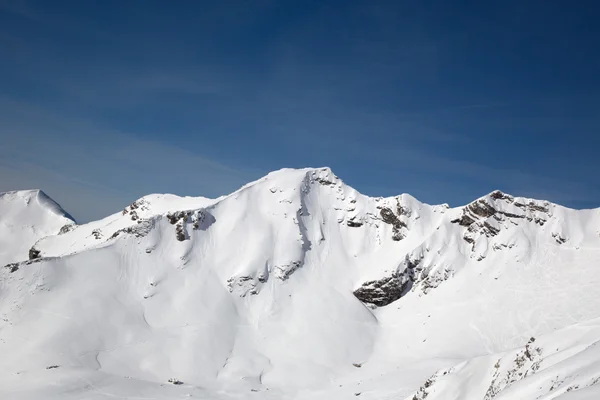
(180, 232)
(489, 230)
(411, 264)
(177, 216)
(12, 267)
(175, 381)
(403, 211)
(531, 206)
(324, 181)
(381, 292)
(497, 195)
(284, 271)
(476, 209)
(535, 207)
(200, 220)
(354, 222)
(138, 205)
(142, 229)
(540, 221)
(97, 234)
(66, 228)
(559, 238)
(388, 216)
(464, 220)
(34, 253)
(397, 234)
(52, 367)
(482, 209)
(389, 289)
(511, 215)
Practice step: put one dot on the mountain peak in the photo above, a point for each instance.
(35, 197)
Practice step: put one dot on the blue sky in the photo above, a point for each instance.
(104, 102)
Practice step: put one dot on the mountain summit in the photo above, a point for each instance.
(25, 217)
(298, 286)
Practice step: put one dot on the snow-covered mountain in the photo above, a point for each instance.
(25, 217)
(296, 286)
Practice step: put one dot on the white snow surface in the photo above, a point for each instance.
(252, 296)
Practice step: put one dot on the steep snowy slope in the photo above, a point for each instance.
(25, 217)
(298, 286)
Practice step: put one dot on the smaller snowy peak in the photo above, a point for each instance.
(25, 217)
(498, 205)
(489, 214)
(33, 198)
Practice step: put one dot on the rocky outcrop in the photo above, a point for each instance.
(12, 267)
(474, 211)
(284, 271)
(488, 216)
(142, 229)
(388, 216)
(199, 219)
(381, 292)
(411, 275)
(34, 253)
(386, 290)
(354, 222)
(243, 285)
(66, 228)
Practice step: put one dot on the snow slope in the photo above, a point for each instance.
(298, 286)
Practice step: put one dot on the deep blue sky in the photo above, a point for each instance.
(102, 102)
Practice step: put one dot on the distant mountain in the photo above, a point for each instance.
(25, 217)
(297, 286)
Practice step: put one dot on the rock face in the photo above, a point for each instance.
(34, 253)
(388, 216)
(381, 292)
(198, 219)
(388, 289)
(487, 217)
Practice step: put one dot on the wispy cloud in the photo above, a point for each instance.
(93, 172)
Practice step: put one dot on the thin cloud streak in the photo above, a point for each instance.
(53, 153)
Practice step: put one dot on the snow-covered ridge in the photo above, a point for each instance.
(297, 286)
(489, 224)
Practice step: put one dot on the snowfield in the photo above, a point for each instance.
(296, 286)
